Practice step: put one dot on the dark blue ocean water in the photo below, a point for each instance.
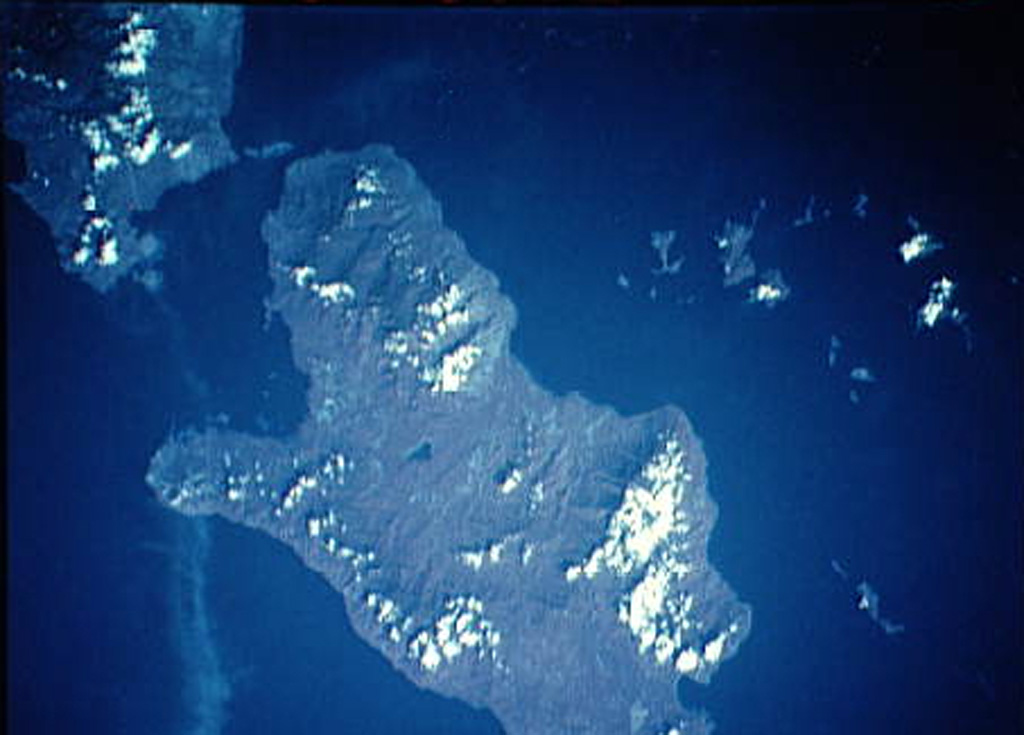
(556, 144)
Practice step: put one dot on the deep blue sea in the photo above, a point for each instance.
(556, 142)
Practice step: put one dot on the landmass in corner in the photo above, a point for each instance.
(116, 104)
(537, 555)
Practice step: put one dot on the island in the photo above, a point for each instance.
(114, 105)
(535, 554)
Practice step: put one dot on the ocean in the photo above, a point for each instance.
(556, 144)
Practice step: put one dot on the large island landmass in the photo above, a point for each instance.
(537, 555)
